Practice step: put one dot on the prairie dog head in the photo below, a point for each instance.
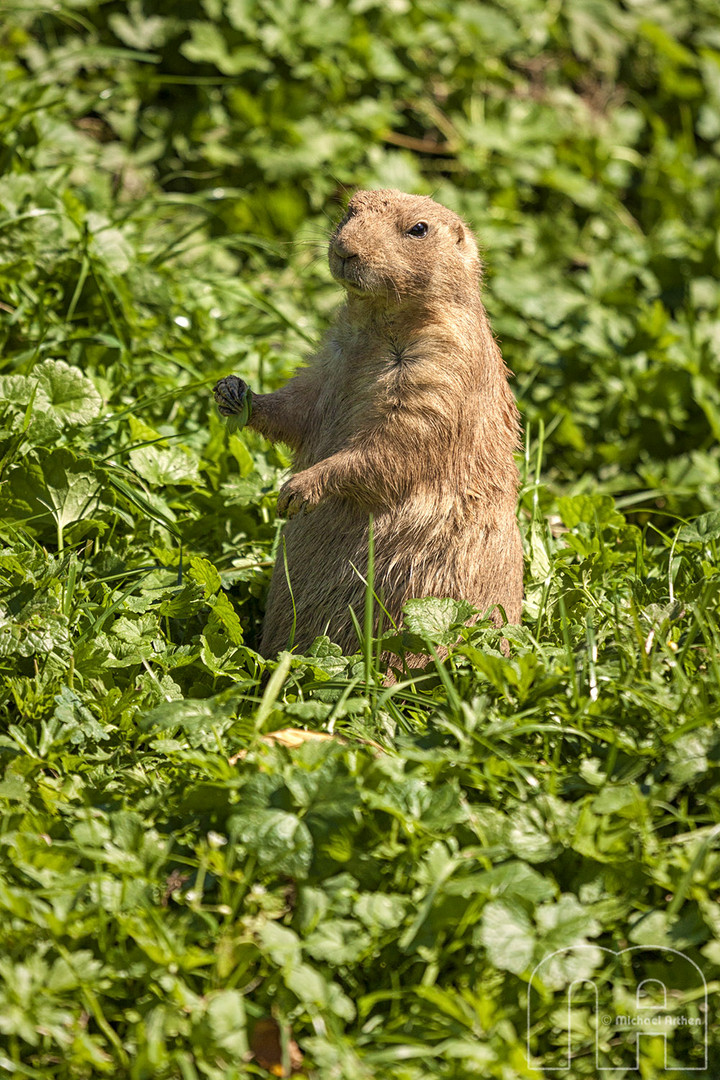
(400, 247)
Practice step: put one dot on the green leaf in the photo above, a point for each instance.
(225, 615)
(511, 879)
(78, 722)
(540, 559)
(437, 620)
(109, 244)
(380, 911)
(528, 837)
(71, 488)
(235, 423)
(702, 529)
(227, 1022)
(507, 934)
(162, 466)
(338, 942)
(315, 991)
(279, 839)
(205, 574)
(577, 509)
(282, 944)
(66, 392)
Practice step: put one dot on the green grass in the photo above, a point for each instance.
(166, 184)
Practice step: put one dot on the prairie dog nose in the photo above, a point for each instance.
(341, 250)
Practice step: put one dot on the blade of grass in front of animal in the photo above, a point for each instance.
(369, 606)
(272, 690)
(97, 625)
(291, 640)
(568, 648)
(138, 500)
(453, 696)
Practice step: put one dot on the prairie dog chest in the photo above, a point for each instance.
(360, 380)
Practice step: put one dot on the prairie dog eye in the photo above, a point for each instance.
(419, 230)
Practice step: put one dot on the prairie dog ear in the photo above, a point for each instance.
(464, 238)
(467, 247)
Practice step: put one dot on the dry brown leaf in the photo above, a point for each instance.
(294, 737)
(266, 1045)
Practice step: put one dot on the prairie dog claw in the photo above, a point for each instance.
(231, 395)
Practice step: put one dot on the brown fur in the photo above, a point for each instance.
(406, 413)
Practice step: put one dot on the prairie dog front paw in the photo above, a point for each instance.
(298, 494)
(233, 396)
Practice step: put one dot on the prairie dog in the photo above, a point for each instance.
(404, 413)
